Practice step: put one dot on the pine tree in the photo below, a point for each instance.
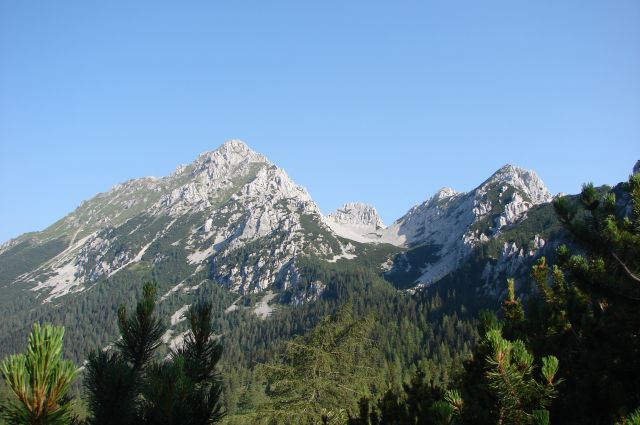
(111, 386)
(510, 376)
(129, 386)
(590, 311)
(39, 380)
(140, 334)
(632, 419)
(513, 312)
(418, 402)
(322, 374)
(114, 379)
(187, 389)
(501, 384)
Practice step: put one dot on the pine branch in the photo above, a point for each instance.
(628, 272)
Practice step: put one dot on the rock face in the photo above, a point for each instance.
(451, 224)
(636, 168)
(357, 214)
(356, 221)
(526, 181)
(206, 182)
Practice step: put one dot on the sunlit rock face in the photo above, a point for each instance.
(356, 221)
(454, 223)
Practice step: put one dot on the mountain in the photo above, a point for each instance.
(442, 233)
(356, 221)
(227, 201)
(236, 227)
(450, 225)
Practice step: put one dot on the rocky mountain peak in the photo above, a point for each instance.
(452, 224)
(227, 156)
(207, 210)
(443, 193)
(525, 180)
(212, 177)
(358, 214)
(232, 153)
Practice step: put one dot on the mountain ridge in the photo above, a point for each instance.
(242, 199)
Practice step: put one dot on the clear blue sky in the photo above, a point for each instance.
(382, 102)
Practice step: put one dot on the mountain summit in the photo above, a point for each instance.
(452, 224)
(526, 181)
(357, 214)
(356, 221)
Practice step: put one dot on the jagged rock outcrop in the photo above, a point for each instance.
(356, 221)
(357, 214)
(510, 262)
(452, 224)
(526, 181)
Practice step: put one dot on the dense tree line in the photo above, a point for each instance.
(405, 328)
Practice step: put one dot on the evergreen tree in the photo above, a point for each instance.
(39, 380)
(187, 389)
(632, 419)
(114, 379)
(510, 376)
(319, 375)
(128, 386)
(418, 402)
(589, 313)
(513, 312)
(500, 386)
(140, 334)
(111, 386)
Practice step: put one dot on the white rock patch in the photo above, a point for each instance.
(199, 256)
(179, 316)
(262, 309)
(63, 282)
